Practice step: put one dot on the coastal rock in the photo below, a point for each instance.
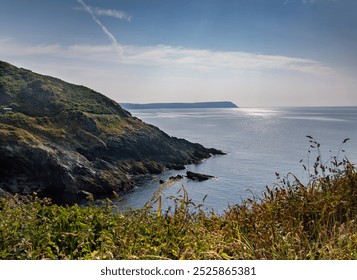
(198, 176)
(174, 166)
(216, 152)
(177, 177)
(56, 173)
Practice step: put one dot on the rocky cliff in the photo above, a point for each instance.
(65, 141)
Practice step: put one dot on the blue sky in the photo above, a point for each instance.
(251, 52)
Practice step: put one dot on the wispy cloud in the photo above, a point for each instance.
(111, 13)
(209, 60)
(114, 41)
(108, 12)
(201, 60)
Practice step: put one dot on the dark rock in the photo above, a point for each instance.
(144, 167)
(153, 167)
(57, 174)
(177, 177)
(161, 182)
(197, 176)
(216, 152)
(175, 166)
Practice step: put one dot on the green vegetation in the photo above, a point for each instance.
(290, 221)
(37, 95)
(53, 109)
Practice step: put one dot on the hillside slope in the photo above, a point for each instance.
(63, 140)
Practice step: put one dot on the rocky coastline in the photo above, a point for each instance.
(65, 141)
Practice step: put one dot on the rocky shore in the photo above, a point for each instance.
(65, 141)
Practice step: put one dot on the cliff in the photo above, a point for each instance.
(65, 141)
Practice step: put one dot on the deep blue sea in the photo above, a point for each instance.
(258, 141)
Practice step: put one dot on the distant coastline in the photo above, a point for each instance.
(220, 104)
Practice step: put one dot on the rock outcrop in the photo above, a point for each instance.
(198, 176)
(62, 140)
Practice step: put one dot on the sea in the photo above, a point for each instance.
(260, 143)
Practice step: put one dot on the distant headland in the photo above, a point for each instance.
(220, 104)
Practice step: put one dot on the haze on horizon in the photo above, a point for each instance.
(255, 53)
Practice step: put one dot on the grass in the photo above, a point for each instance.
(38, 95)
(11, 135)
(291, 220)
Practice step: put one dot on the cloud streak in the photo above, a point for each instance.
(208, 60)
(199, 60)
(111, 13)
(108, 12)
(111, 37)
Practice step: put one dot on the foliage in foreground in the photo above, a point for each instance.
(290, 221)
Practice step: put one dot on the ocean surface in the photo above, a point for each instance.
(258, 141)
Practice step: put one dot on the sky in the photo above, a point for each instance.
(255, 53)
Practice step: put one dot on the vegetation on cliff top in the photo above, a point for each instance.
(52, 108)
(290, 221)
(39, 95)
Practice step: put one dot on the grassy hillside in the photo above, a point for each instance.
(38, 95)
(290, 221)
(48, 107)
(51, 109)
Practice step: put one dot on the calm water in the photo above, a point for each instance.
(258, 143)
